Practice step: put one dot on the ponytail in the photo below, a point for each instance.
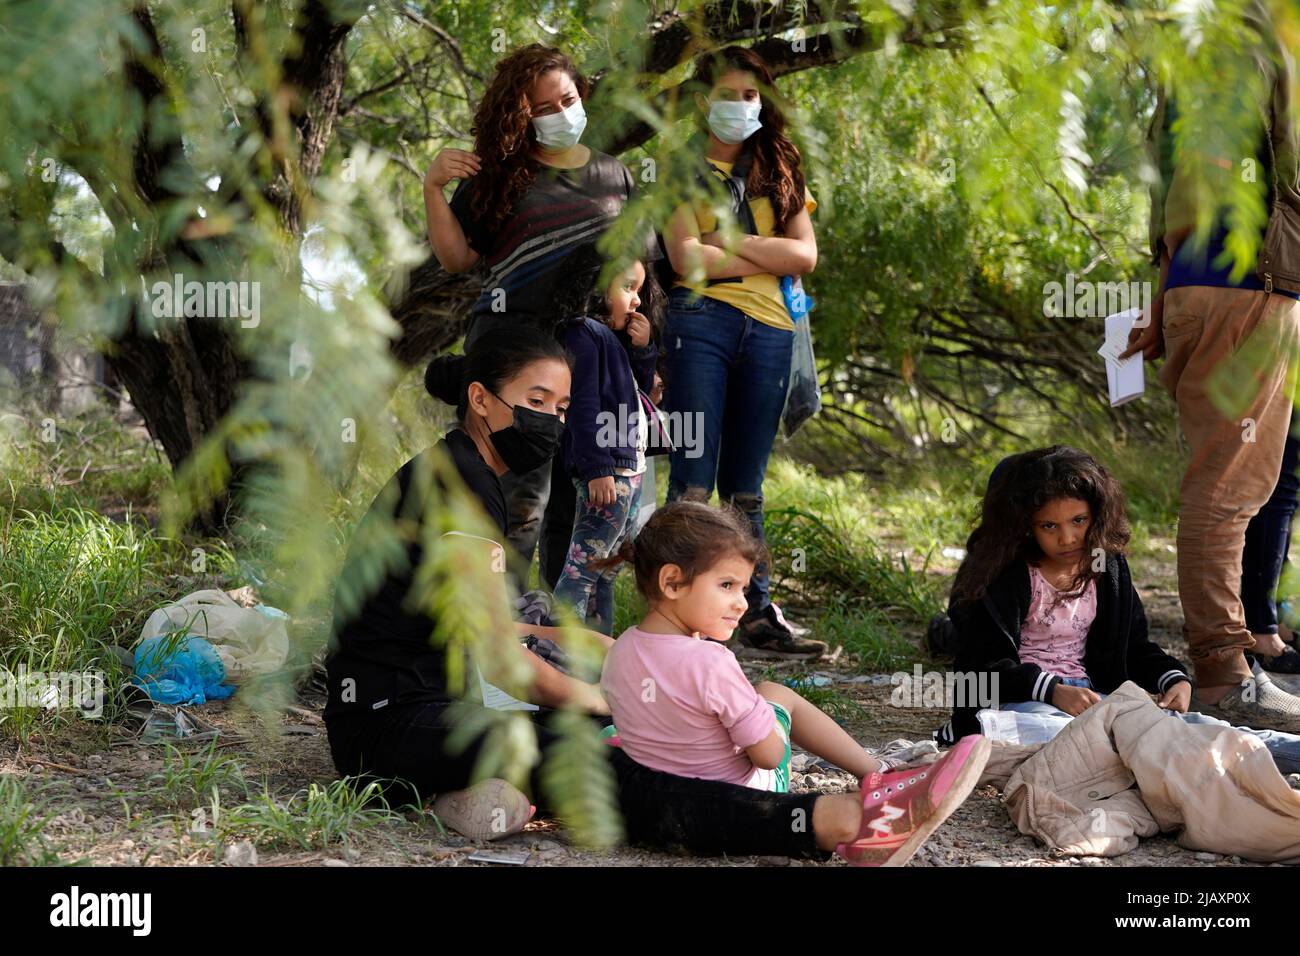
(626, 553)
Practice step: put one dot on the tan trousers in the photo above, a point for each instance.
(1230, 360)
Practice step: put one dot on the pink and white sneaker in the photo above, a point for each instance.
(901, 809)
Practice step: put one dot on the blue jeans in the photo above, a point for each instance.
(727, 374)
(597, 533)
(1268, 538)
(1285, 748)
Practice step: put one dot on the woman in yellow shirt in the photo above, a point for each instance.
(728, 334)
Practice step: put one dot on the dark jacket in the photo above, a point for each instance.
(1117, 648)
(601, 425)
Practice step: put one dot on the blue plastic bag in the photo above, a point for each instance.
(191, 674)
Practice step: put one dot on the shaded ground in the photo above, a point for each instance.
(114, 806)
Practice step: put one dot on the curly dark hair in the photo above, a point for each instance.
(777, 172)
(503, 130)
(1005, 533)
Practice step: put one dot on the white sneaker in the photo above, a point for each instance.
(1259, 704)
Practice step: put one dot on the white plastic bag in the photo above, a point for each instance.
(803, 397)
(249, 643)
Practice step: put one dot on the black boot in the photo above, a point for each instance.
(767, 630)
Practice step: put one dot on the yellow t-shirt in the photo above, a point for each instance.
(758, 296)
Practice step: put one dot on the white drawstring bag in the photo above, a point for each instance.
(249, 642)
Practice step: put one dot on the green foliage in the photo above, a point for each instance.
(829, 700)
(312, 819)
(872, 636)
(51, 461)
(979, 152)
(23, 818)
(188, 777)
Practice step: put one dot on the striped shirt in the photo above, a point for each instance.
(562, 210)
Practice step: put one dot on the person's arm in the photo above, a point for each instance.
(737, 704)
(643, 362)
(590, 461)
(983, 650)
(687, 253)
(553, 688)
(547, 686)
(1149, 339)
(557, 634)
(795, 253)
(1148, 664)
(445, 232)
(767, 753)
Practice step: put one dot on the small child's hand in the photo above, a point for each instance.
(1178, 697)
(638, 329)
(601, 492)
(1073, 700)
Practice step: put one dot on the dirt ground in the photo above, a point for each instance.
(110, 809)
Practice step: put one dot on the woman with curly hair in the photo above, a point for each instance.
(1044, 607)
(530, 194)
(729, 333)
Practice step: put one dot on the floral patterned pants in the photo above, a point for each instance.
(597, 533)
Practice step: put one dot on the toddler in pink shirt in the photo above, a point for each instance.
(682, 704)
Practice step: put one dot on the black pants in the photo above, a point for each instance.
(1268, 538)
(660, 810)
(541, 505)
(557, 526)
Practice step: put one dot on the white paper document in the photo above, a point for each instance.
(1125, 380)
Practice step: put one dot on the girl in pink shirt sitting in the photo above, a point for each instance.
(682, 705)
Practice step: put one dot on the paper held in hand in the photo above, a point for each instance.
(1124, 379)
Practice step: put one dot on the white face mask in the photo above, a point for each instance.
(734, 121)
(563, 129)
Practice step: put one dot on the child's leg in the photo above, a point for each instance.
(605, 583)
(819, 734)
(837, 818)
(595, 531)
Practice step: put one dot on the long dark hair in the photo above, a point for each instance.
(777, 172)
(492, 362)
(503, 130)
(1005, 533)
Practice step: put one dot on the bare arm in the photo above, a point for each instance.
(552, 688)
(767, 753)
(687, 252)
(445, 233)
(795, 253)
(557, 635)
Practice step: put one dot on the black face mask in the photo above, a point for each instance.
(530, 442)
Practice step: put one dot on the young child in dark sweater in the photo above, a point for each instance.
(1044, 608)
(605, 434)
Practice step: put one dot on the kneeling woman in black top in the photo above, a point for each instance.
(389, 711)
